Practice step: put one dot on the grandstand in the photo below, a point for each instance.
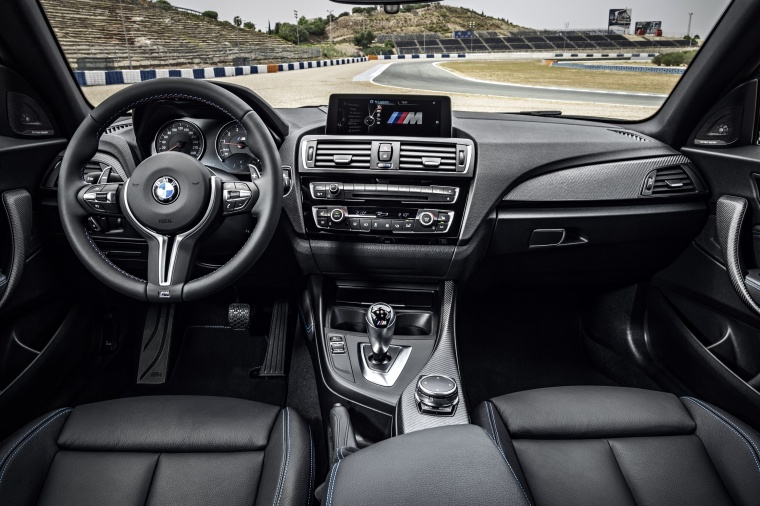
(92, 31)
(534, 40)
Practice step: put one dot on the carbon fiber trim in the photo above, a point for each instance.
(729, 213)
(443, 361)
(608, 181)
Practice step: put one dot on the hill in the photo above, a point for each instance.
(144, 34)
(419, 18)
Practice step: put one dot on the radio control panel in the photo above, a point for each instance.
(383, 221)
(371, 191)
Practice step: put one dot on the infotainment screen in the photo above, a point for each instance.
(389, 115)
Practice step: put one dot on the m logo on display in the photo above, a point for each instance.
(406, 118)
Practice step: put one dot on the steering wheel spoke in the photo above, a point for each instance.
(102, 199)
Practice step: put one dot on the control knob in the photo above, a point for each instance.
(427, 219)
(337, 215)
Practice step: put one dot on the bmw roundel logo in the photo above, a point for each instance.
(165, 190)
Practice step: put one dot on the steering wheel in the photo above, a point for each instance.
(171, 198)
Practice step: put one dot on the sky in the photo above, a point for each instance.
(538, 14)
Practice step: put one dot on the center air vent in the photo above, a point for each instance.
(418, 156)
(668, 181)
(347, 155)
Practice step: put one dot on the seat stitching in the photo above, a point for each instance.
(331, 487)
(282, 463)
(20, 447)
(743, 439)
(287, 456)
(510, 468)
(749, 439)
(13, 447)
(489, 408)
(311, 468)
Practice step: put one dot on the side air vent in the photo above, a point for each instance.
(419, 156)
(118, 126)
(668, 181)
(631, 135)
(342, 155)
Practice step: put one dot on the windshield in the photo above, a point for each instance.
(579, 58)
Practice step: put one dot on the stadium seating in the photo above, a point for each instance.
(158, 37)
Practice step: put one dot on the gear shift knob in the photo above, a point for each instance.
(381, 322)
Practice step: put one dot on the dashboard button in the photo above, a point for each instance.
(322, 222)
(322, 212)
(382, 187)
(337, 215)
(441, 227)
(381, 225)
(358, 187)
(428, 190)
(366, 224)
(408, 226)
(354, 223)
(320, 194)
(370, 187)
(403, 188)
(334, 189)
(320, 187)
(398, 225)
(444, 217)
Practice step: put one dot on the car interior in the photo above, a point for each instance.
(490, 308)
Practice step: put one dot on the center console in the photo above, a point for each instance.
(387, 170)
(383, 195)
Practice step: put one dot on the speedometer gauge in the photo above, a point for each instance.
(232, 148)
(181, 136)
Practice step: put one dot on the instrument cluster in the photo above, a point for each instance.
(215, 143)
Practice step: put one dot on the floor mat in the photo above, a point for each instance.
(509, 344)
(217, 361)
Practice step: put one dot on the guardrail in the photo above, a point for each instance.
(622, 68)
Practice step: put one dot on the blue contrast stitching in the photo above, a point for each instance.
(720, 419)
(331, 488)
(498, 446)
(311, 469)
(725, 420)
(282, 464)
(36, 431)
(278, 497)
(10, 450)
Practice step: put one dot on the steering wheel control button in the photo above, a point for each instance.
(437, 395)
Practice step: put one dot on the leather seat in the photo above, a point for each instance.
(160, 450)
(607, 445)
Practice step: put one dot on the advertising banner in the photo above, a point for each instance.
(464, 34)
(620, 20)
(649, 27)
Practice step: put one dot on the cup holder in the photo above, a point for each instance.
(408, 323)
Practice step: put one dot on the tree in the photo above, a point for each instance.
(249, 26)
(364, 38)
(163, 4)
(210, 14)
(286, 31)
(237, 21)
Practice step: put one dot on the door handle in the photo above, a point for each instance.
(18, 207)
(729, 213)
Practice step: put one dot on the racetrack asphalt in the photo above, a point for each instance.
(429, 77)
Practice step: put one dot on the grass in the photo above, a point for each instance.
(536, 73)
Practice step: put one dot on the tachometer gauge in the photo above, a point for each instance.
(232, 148)
(181, 136)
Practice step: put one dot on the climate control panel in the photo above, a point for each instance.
(383, 220)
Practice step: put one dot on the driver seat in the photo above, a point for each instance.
(160, 450)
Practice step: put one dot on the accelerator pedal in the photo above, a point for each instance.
(274, 364)
(156, 341)
(239, 316)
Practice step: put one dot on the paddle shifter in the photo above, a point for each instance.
(381, 322)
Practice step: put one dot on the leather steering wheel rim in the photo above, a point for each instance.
(84, 145)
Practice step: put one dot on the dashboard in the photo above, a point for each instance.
(401, 186)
